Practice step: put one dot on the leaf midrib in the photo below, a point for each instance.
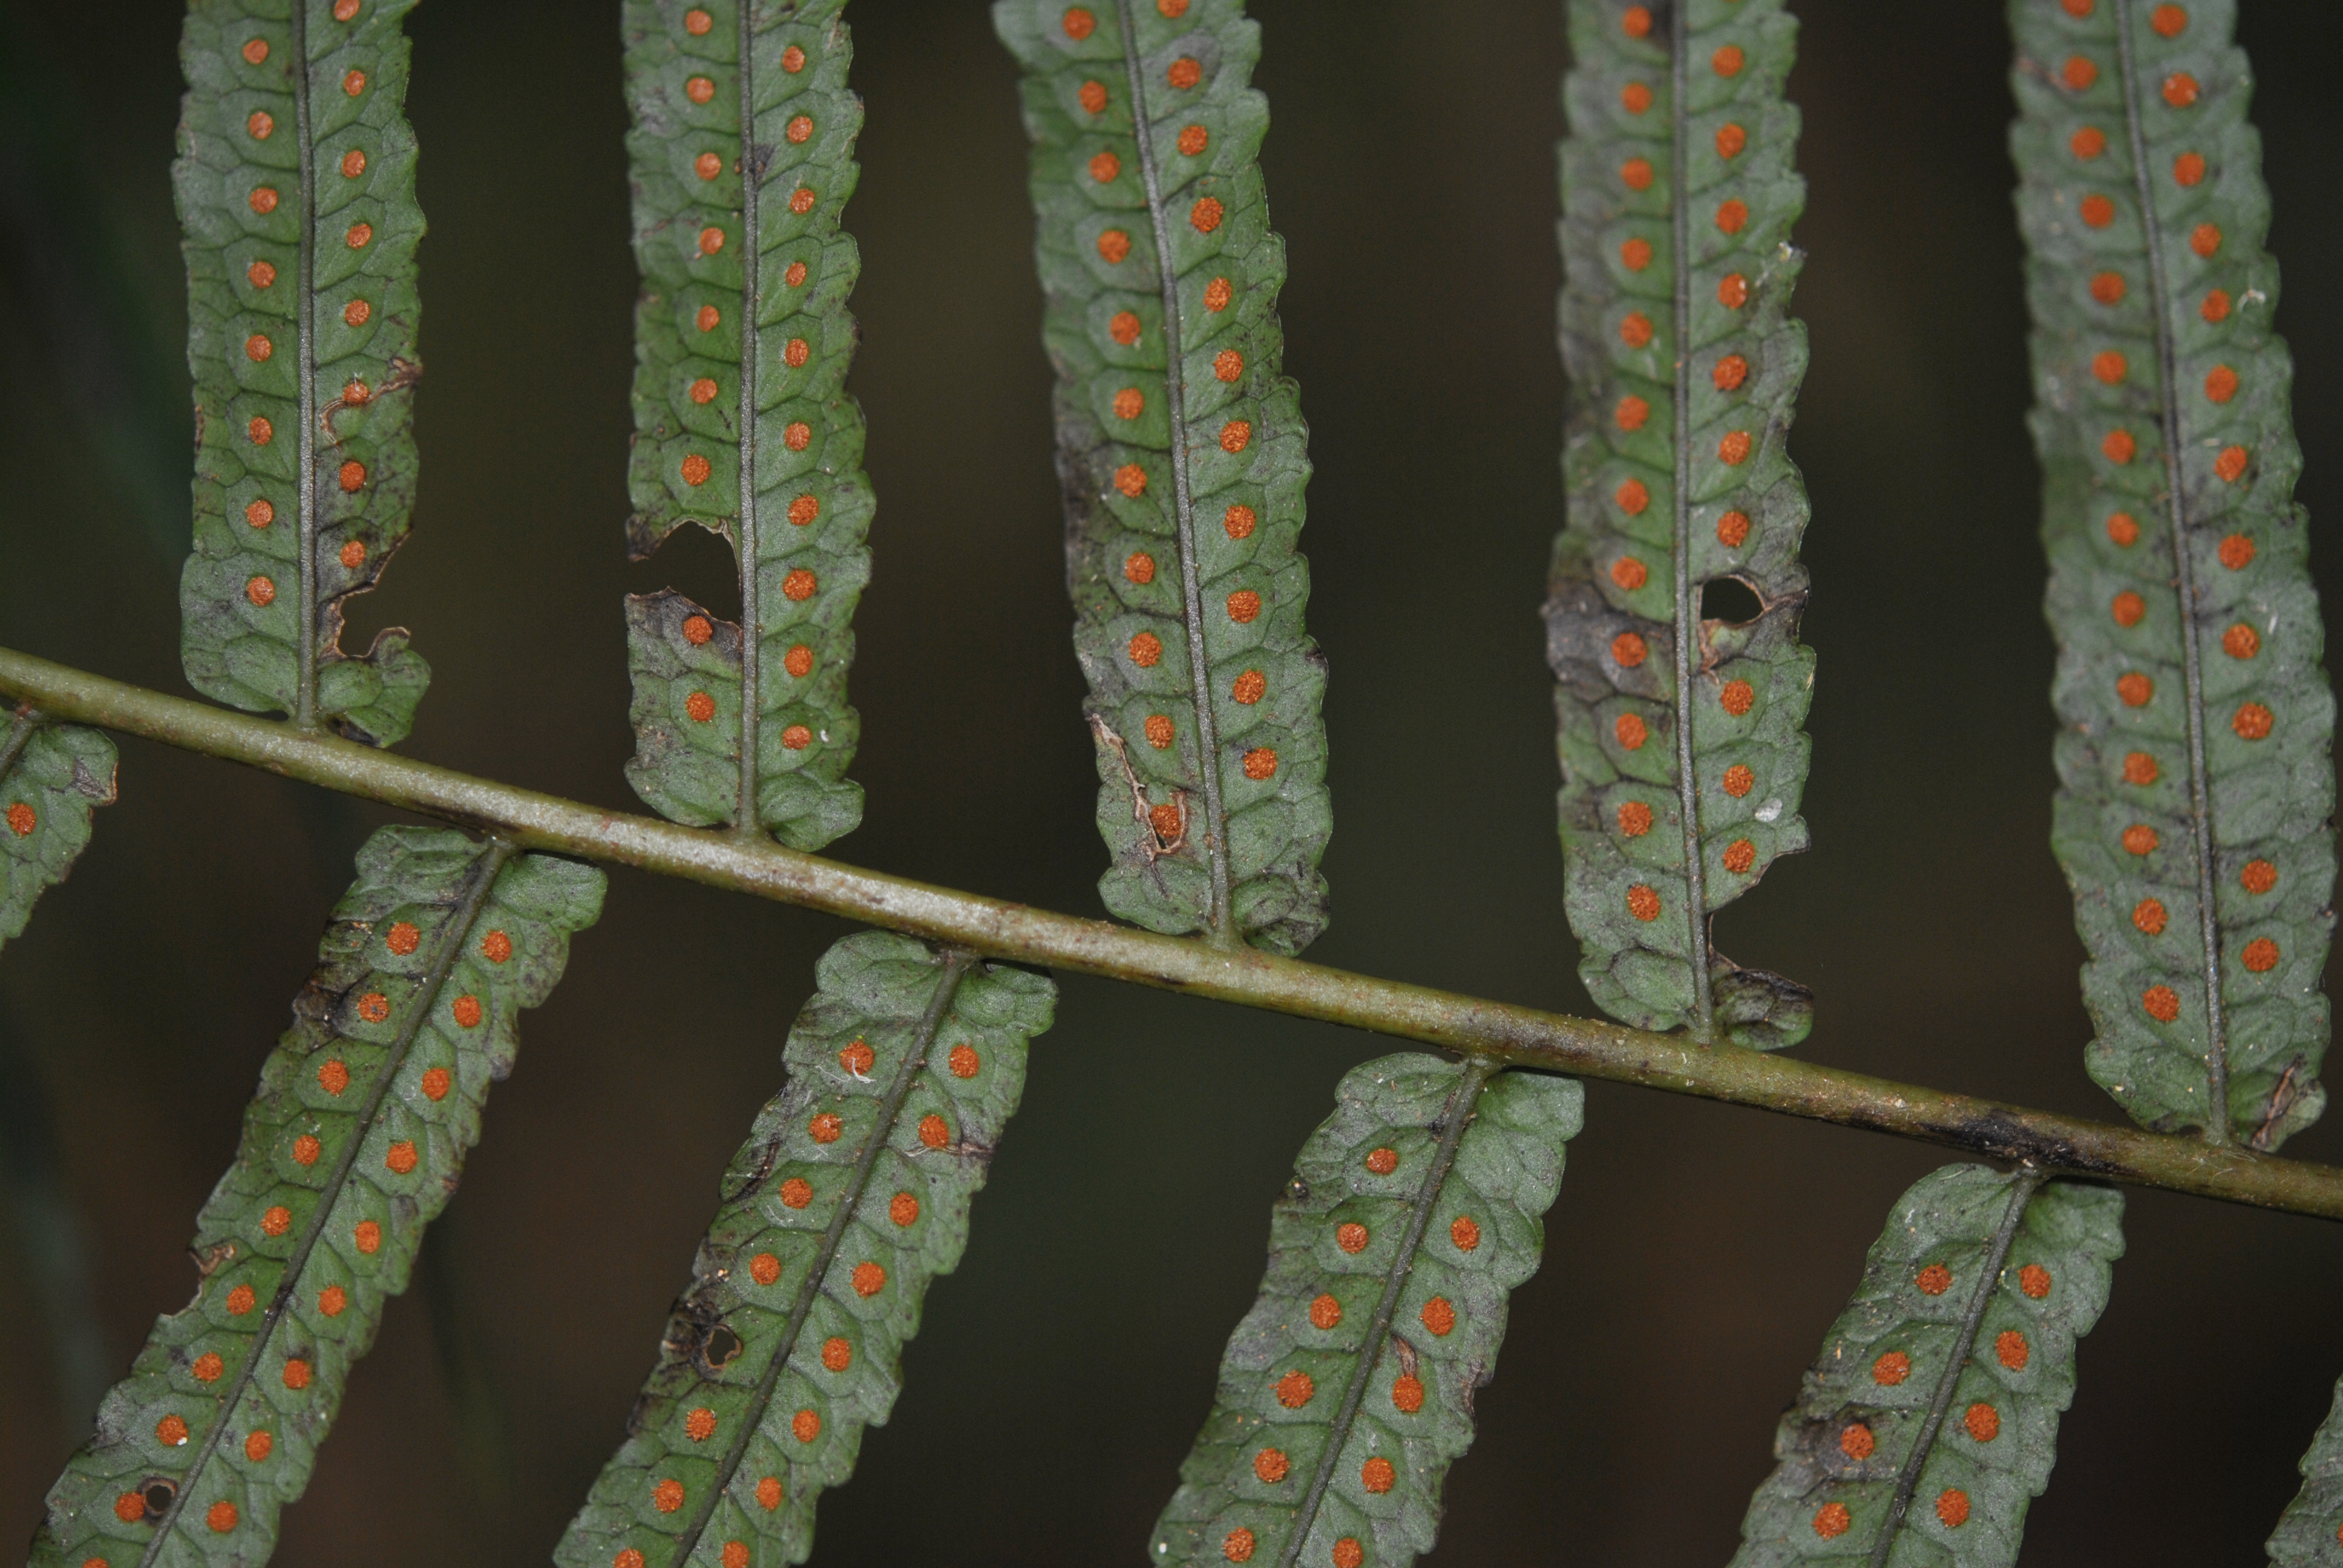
(915, 1054)
(305, 675)
(1687, 603)
(2029, 1181)
(747, 822)
(20, 735)
(2200, 806)
(1220, 923)
(1462, 1104)
(481, 882)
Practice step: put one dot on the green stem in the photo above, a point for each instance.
(993, 928)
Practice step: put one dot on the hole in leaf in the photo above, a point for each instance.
(1730, 600)
(157, 1495)
(722, 1345)
(699, 566)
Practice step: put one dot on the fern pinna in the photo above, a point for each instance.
(2196, 786)
(295, 185)
(354, 1144)
(52, 777)
(1347, 1390)
(2193, 767)
(851, 1194)
(1682, 760)
(1181, 450)
(743, 156)
(1929, 1421)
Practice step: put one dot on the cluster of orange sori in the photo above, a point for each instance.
(1981, 1421)
(1238, 1544)
(2252, 721)
(1115, 247)
(733, 1555)
(260, 590)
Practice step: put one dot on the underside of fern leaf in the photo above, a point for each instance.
(743, 157)
(1930, 1421)
(1347, 1390)
(1181, 453)
(851, 1193)
(52, 777)
(295, 185)
(2310, 1535)
(2195, 779)
(1683, 758)
(353, 1144)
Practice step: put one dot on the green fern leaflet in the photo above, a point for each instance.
(743, 155)
(296, 185)
(353, 1144)
(2310, 1535)
(1682, 756)
(1930, 1421)
(2195, 781)
(851, 1193)
(1347, 1390)
(1181, 452)
(52, 777)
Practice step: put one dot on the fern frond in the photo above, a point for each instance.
(851, 1193)
(2195, 784)
(295, 186)
(1683, 758)
(52, 777)
(2309, 1533)
(353, 1144)
(1181, 454)
(1930, 1420)
(743, 156)
(1347, 1390)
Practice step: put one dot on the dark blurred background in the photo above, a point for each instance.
(1697, 1252)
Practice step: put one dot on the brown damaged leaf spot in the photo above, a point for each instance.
(405, 375)
(2293, 1085)
(1163, 828)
